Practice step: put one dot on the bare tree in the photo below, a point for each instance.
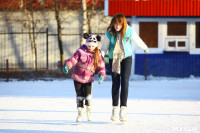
(89, 10)
(83, 20)
(59, 30)
(90, 14)
(26, 7)
(31, 29)
(57, 6)
(9, 8)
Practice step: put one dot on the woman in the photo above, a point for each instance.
(117, 41)
(86, 60)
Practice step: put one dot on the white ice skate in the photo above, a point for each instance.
(88, 113)
(79, 118)
(122, 114)
(115, 113)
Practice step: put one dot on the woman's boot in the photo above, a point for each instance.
(115, 113)
(123, 113)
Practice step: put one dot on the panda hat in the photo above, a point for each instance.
(91, 40)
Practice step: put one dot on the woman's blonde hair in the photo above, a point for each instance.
(121, 19)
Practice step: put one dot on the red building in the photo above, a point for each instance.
(170, 28)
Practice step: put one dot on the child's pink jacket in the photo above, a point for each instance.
(83, 60)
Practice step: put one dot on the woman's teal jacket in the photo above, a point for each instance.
(126, 42)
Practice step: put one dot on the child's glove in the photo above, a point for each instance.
(101, 78)
(65, 69)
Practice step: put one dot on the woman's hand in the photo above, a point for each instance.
(146, 51)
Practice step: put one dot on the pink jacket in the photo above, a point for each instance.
(83, 60)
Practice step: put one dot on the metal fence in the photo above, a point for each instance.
(15, 49)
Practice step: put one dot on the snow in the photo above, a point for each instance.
(157, 105)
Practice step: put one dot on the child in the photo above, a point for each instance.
(86, 60)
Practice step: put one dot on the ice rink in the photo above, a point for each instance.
(154, 106)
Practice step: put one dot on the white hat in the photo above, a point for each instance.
(91, 41)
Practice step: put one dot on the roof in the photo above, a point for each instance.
(153, 7)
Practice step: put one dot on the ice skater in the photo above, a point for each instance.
(86, 60)
(117, 41)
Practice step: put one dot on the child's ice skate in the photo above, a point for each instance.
(80, 115)
(122, 114)
(115, 113)
(88, 113)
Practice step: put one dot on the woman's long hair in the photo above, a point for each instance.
(121, 19)
(96, 58)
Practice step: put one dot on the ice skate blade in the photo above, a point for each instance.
(113, 120)
(78, 121)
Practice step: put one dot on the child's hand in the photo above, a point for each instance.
(102, 53)
(65, 69)
(101, 78)
(146, 51)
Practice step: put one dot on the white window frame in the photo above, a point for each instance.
(135, 24)
(177, 39)
(176, 48)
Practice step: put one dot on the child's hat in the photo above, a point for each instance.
(91, 40)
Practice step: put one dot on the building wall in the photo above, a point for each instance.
(162, 61)
(168, 64)
(162, 32)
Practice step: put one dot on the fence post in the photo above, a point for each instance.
(145, 67)
(7, 70)
(47, 48)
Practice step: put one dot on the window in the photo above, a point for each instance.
(149, 33)
(181, 44)
(197, 34)
(128, 20)
(176, 28)
(177, 39)
(172, 43)
(176, 44)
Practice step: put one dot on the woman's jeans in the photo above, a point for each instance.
(122, 79)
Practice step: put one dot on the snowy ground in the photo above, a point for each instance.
(154, 106)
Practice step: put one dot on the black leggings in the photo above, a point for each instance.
(83, 92)
(122, 79)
